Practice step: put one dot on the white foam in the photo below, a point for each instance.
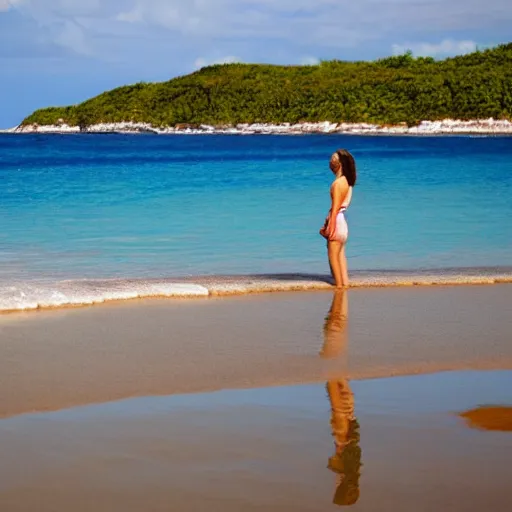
(39, 295)
(27, 296)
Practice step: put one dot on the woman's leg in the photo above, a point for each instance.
(334, 254)
(343, 266)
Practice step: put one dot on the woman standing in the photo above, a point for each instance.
(335, 229)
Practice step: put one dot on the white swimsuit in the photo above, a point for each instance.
(341, 222)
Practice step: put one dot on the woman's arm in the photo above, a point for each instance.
(339, 190)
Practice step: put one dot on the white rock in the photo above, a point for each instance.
(446, 126)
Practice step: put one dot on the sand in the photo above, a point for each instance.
(145, 405)
(490, 417)
(53, 360)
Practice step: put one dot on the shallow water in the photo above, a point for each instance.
(113, 206)
(400, 446)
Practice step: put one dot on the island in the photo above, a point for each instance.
(399, 94)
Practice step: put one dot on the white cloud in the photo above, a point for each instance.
(133, 16)
(310, 61)
(5, 5)
(201, 62)
(330, 23)
(261, 30)
(72, 36)
(448, 47)
(62, 23)
(51, 9)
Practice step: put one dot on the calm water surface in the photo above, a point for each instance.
(105, 206)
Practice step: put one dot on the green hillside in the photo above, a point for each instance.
(388, 91)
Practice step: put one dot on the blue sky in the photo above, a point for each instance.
(58, 52)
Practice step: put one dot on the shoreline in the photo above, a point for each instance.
(441, 127)
(30, 297)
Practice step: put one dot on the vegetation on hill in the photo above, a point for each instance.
(388, 91)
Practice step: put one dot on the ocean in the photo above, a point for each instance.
(108, 208)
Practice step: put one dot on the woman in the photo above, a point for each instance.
(335, 229)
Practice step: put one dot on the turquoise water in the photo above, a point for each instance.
(117, 206)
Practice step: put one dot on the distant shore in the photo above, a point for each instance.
(444, 127)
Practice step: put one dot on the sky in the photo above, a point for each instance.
(61, 52)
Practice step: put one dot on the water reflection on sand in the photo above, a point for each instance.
(346, 460)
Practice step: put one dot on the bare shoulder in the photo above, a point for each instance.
(339, 184)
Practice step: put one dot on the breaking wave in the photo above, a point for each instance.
(24, 296)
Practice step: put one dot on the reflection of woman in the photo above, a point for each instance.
(335, 229)
(346, 461)
(335, 332)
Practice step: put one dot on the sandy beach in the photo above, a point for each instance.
(300, 401)
(51, 360)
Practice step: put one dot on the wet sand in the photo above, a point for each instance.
(490, 417)
(385, 444)
(53, 360)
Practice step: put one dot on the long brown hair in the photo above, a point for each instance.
(348, 166)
